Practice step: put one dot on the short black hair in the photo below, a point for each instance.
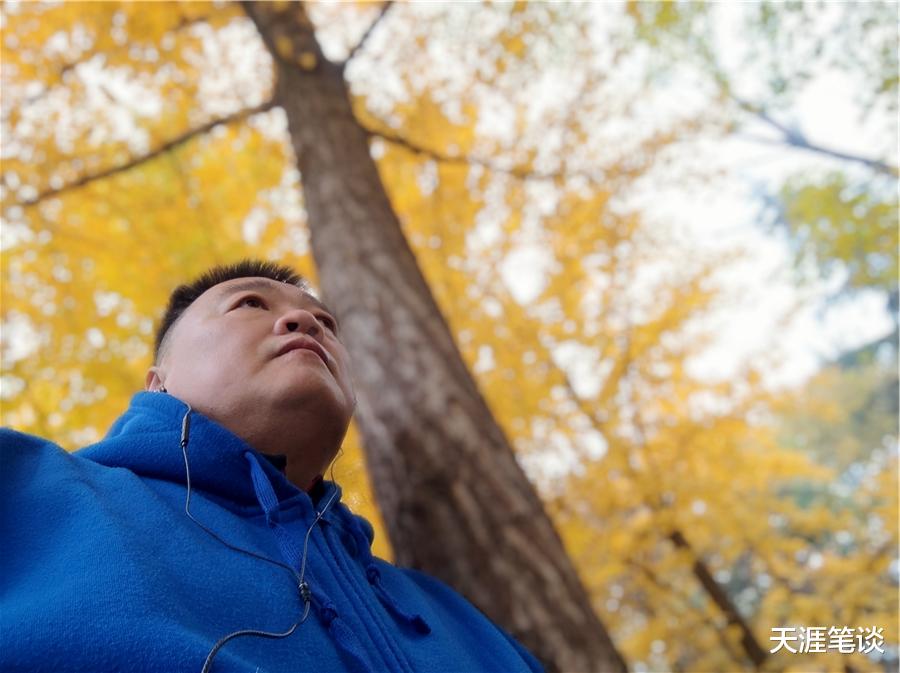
(185, 295)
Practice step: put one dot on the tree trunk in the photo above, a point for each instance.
(455, 502)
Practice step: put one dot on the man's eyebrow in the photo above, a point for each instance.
(263, 286)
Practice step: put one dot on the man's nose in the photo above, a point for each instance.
(300, 321)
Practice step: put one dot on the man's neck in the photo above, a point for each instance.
(279, 462)
(306, 454)
(306, 439)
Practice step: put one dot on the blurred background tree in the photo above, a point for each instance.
(523, 148)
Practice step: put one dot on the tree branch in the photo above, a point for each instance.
(647, 572)
(84, 58)
(515, 171)
(365, 36)
(722, 600)
(797, 139)
(699, 568)
(162, 149)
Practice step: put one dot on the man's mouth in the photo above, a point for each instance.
(304, 343)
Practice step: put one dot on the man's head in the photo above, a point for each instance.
(250, 347)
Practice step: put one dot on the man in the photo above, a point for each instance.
(199, 534)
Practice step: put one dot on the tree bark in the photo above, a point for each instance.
(454, 499)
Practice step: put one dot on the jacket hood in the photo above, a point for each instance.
(146, 439)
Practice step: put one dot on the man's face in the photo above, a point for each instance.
(253, 349)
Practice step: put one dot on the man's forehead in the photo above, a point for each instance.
(265, 285)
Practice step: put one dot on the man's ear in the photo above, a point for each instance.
(154, 380)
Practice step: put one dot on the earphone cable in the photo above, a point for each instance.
(302, 584)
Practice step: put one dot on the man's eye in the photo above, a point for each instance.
(252, 302)
(328, 321)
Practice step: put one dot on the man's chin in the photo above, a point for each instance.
(310, 396)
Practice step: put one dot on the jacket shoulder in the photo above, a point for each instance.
(24, 456)
(14, 444)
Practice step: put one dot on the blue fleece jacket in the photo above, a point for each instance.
(101, 569)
